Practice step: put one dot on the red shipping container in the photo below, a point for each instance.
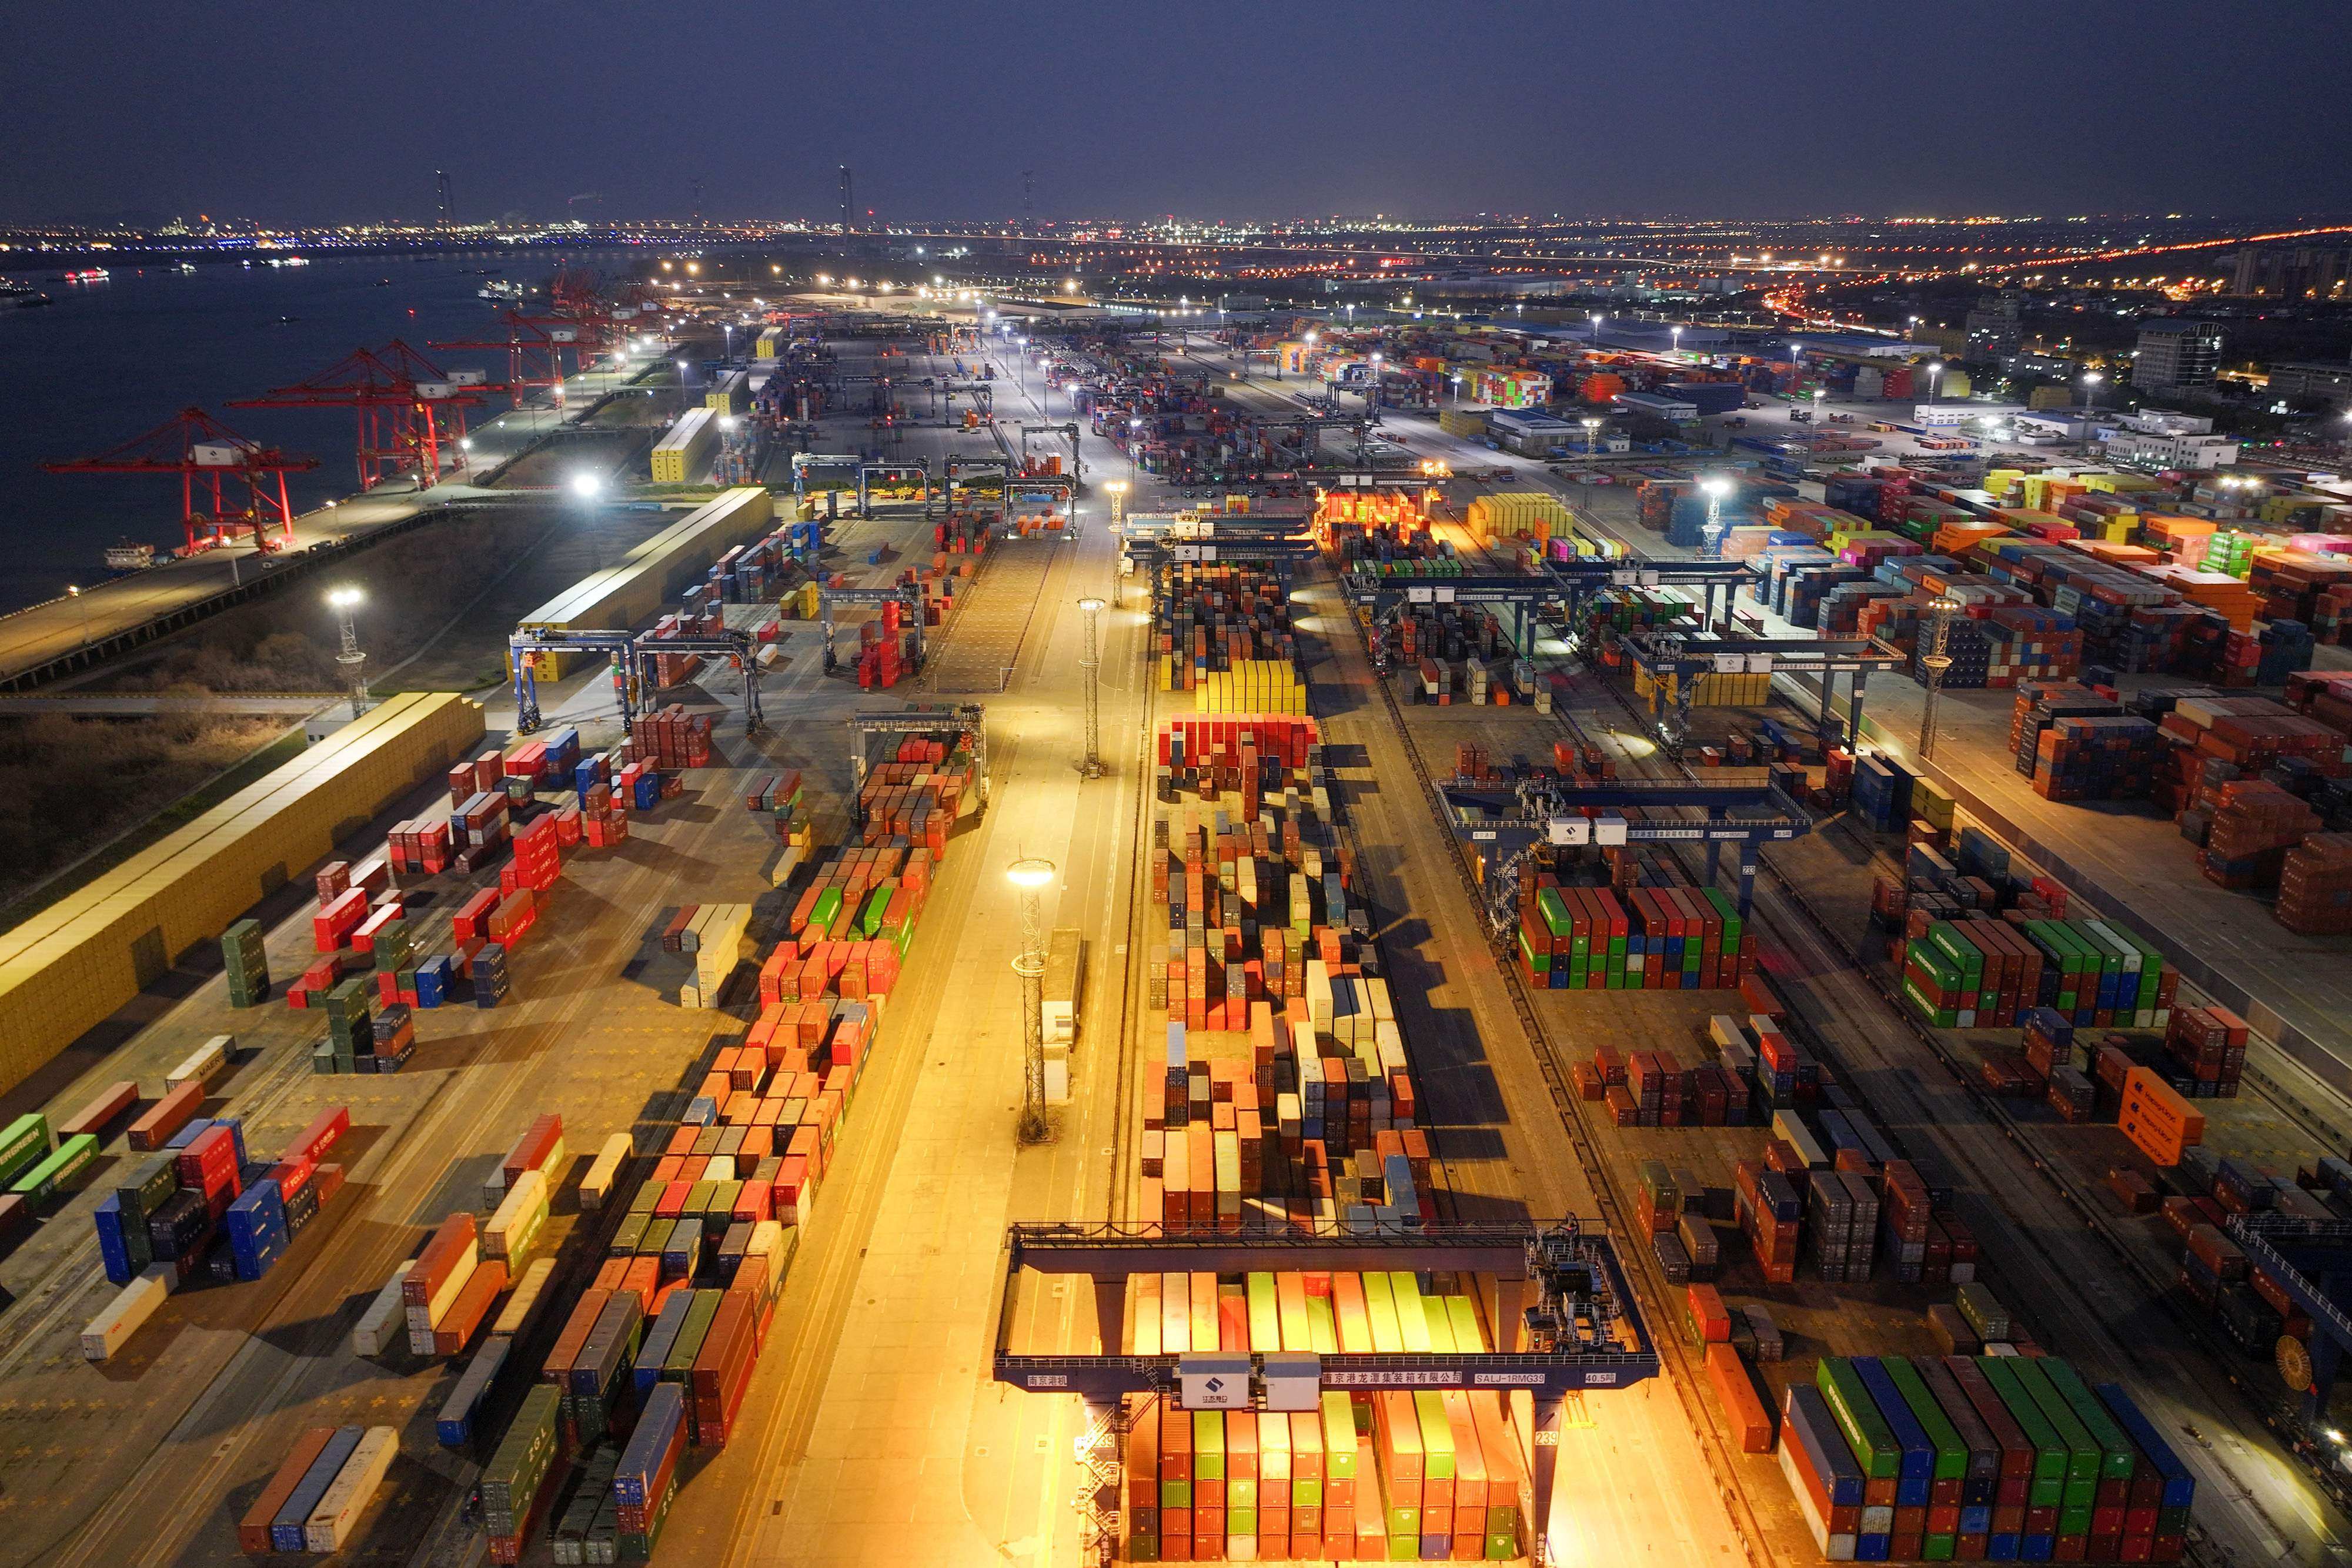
(450, 1241)
(93, 1117)
(156, 1126)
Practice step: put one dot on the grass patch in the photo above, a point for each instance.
(178, 813)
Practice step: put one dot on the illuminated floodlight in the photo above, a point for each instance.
(344, 597)
(1031, 874)
(587, 486)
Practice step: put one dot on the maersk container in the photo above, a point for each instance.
(288, 1530)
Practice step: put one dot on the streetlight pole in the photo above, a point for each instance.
(346, 601)
(1936, 661)
(1935, 380)
(1029, 878)
(1134, 430)
(74, 594)
(1717, 486)
(1090, 666)
(2090, 387)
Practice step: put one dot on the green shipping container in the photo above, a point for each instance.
(64, 1162)
(510, 1481)
(1857, 1416)
(1952, 1453)
(2082, 1453)
(2049, 1485)
(25, 1145)
(2117, 1457)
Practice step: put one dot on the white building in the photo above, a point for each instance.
(1955, 416)
(2060, 424)
(2165, 421)
(2157, 449)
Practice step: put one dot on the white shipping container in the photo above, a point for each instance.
(201, 1064)
(525, 1298)
(121, 1318)
(518, 1216)
(603, 1172)
(347, 1496)
(454, 1286)
(372, 1334)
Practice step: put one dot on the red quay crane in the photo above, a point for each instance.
(203, 452)
(397, 395)
(534, 347)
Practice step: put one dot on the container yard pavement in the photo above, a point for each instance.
(2256, 1501)
(592, 1029)
(2295, 991)
(1635, 1483)
(891, 1429)
(165, 1443)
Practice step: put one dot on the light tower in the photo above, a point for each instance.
(1090, 664)
(1715, 488)
(1029, 878)
(346, 601)
(1936, 661)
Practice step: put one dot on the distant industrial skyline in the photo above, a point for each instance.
(1217, 107)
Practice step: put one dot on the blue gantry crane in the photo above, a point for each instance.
(1506, 825)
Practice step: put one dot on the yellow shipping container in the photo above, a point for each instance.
(1744, 690)
(2121, 484)
(729, 394)
(680, 456)
(67, 970)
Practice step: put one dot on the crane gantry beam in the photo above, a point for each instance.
(396, 395)
(207, 455)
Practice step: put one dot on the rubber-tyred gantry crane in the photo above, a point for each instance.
(398, 397)
(208, 457)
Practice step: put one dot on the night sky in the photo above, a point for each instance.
(311, 114)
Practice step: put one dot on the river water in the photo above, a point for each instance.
(112, 360)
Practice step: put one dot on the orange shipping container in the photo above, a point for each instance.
(2157, 1119)
(1742, 1410)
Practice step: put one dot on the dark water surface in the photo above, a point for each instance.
(110, 360)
